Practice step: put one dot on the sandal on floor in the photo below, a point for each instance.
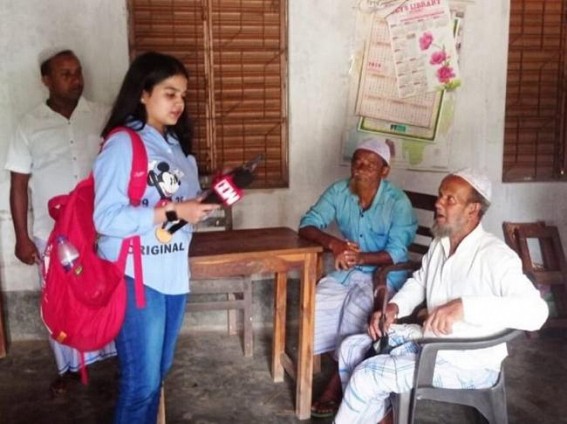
(59, 386)
(324, 409)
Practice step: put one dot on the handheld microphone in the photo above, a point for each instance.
(227, 189)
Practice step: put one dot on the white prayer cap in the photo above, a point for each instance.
(377, 145)
(478, 180)
(50, 52)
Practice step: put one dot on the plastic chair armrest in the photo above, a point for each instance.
(431, 346)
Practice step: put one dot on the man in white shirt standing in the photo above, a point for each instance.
(53, 148)
(473, 286)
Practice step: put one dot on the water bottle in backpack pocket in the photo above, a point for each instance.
(68, 255)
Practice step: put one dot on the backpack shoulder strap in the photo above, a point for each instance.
(136, 188)
(139, 171)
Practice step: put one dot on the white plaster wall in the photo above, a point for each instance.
(96, 31)
(320, 45)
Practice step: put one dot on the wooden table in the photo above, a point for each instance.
(269, 250)
(2, 334)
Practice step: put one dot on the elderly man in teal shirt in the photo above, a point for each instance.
(377, 224)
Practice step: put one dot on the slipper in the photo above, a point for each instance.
(60, 385)
(324, 409)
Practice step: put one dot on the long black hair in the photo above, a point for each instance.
(147, 70)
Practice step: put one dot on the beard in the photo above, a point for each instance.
(448, 229)
(440, 231)
(363, 183)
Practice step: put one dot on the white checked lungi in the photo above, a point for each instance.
(341, 310)
(367, 384)
(67, 358)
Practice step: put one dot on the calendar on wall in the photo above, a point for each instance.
(417, 118)
(395, 95)
(392, 89)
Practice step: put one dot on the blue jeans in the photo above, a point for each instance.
(145, 345)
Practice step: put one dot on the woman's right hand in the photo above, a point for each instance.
(193, 211)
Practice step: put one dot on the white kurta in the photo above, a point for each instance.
(483, 272)
(487, 275)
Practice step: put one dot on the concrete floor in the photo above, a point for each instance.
(211, 382)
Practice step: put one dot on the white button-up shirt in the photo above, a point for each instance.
(487, 275)
(57, 152)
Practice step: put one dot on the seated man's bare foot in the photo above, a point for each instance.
(328, 403)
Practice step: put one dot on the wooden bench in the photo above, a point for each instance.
(424, 206)
(238, 291)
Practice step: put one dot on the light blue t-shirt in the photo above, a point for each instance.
(389, 224)
(171, 174)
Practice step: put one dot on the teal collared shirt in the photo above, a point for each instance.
(389, 224)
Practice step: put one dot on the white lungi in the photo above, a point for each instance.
(367, 384)
(341, 310)
(67, 358)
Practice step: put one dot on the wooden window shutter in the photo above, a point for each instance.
(534, 139)
(236, 54)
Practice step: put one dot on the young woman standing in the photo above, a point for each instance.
(151, 101)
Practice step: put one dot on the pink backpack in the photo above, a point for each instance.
(84, 307)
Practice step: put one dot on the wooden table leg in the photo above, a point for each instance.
(305, 348)
(161, 410)
(278, 343)
(2, 333)
(316, 364)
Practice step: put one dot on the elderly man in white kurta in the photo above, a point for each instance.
(473, 286)
(53, 148)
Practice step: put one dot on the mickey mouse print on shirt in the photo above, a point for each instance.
(166, 182)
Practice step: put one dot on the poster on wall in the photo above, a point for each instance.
(412, 123)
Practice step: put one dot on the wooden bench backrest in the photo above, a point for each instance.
(424, 206)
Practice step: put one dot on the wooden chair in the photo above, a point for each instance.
(510, 230)
(238, 290)
(543, 262)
